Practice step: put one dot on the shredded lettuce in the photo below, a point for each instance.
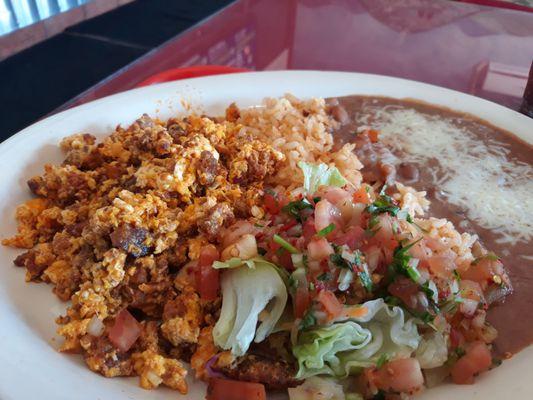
(235, 262)
(350, 344)
(249, 289)
(318, 349)
(432, 351)
(318, 175)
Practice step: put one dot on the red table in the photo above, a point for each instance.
(475, 49)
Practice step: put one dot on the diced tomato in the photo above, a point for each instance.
(441, 266)
(483, 272)
(207, 278)
(234, 232)
(435, 244)
(309, 229)
(272, 204)
(404, 376)
(373, 135)
(319, 249)
(362, 196)
(373, 258)
(456, 338)
(470, 290)
(274, 246)
(476, 360)
(285, 260)
(125, 331)
(326, 214)
(288, 225)
(385, 234)
(333, 194)
(225, 389)
(301, 301)
(405, 289)
(352, 237)
(331, 304)
(420, 250)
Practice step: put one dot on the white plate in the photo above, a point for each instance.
(30, 366)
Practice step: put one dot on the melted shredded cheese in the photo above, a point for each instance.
(477, 176)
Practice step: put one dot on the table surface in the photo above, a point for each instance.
(479, 50)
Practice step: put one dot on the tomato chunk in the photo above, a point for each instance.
(372, 135)
(207, 278)
(402, 375)
(301, 302)
(225, 389)
(352, 237)
(272, 204)
(319, 249)
(330, 302)
(125, 331)
(361, 195)
(477, 359)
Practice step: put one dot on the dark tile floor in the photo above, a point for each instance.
(36, 81)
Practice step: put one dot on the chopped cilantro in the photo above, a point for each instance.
(362, 273)
(284, 244)
(316, 199)
(489, 256)
(459, 352)
(294, 208)
(425, 317)
(496, 362)
(366, 281)
(258, 225)
(357, 256)
(380, 395)
(450, 306)
(373, 226)
(311, 286)
(293, 283)
(457, 276)
(327, 230)
(383, 204)
(427, 290)
(340, 262)
(308, 320)
(382, 360)
(392, 301)
(403, 214)
(402, 264)
(326, 276)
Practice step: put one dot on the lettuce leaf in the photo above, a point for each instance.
(318, 175)
(432, 351)
(350, 344)
(247, 290)
(234, 263)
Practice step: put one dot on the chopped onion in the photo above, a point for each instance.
(211, 373)
(298, 260)
(468, 307)
(245, 248)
